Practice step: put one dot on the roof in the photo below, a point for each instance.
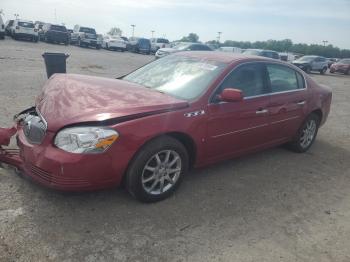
(223, 57)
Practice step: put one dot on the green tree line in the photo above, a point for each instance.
(287, 45)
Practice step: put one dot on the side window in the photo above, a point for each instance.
(249, 78)
(282, 78)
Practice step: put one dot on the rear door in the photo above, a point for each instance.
(288, 101)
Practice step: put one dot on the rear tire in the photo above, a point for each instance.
(157, 169)
(306, 134)
(308, 69)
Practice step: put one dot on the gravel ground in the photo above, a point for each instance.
(271, 206)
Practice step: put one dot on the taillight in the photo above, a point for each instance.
(17, 27)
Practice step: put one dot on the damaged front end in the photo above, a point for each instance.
(11, 156)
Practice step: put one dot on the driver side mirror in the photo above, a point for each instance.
(231, 95)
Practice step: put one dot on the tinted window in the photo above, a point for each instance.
(26, 24)
(282, 78)
(163, 41)
(200, 48)
(58, 28)
(270, 54)
(87, 30)
(248, 78)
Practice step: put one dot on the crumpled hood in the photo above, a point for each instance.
(69, 99)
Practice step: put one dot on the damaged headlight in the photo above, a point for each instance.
(86, 139)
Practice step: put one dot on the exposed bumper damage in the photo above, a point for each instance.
(11, 156)
(8, 155)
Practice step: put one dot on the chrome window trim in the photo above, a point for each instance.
(262, 95)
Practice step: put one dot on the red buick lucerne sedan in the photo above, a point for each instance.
(148, 128)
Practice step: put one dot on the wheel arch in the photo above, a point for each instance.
(186, 140)
(319, 113)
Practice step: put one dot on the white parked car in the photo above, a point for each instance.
(157, 43)
(112, 42)
(24, 29)
(2, 28)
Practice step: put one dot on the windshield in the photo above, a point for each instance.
(306, 58)
(58, 28)
(87, 30)
(251, 52)
(179, 76)
(162, 41)
(181, 46)
(26, 24)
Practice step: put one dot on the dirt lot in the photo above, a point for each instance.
(271, 206)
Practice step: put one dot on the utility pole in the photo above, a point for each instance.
(55, 16)
(16, 15)
(133, 30)
(219, 35)
(152, 33)
(324, 42)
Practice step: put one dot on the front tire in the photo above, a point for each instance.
(157, 169)
(306, 134)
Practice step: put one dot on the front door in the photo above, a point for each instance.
(235, 127)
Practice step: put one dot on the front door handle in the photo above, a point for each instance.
(261, 111)
(301, 103)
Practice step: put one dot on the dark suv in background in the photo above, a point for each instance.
(55, 34)
(139, 45)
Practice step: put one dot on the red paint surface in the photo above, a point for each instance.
(224, 131)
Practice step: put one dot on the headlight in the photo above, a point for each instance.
(86, 139)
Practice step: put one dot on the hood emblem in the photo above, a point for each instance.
(195, 113)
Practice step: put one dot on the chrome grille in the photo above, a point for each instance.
(34, 129)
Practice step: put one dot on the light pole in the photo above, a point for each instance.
(324, 42)
(219, 35)
(152, 33)
(133, 30)
(16, 15)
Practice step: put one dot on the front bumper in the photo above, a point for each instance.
(90, 42)
(116, 45)
(57, 169)
(26, 35)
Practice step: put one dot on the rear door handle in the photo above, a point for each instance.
(261, 111)
(301, 102)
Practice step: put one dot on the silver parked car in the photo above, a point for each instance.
(310, 63)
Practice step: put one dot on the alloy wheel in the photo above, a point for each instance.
(308, 133)
(161, 172)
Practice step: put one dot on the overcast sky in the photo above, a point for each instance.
(307, 21)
